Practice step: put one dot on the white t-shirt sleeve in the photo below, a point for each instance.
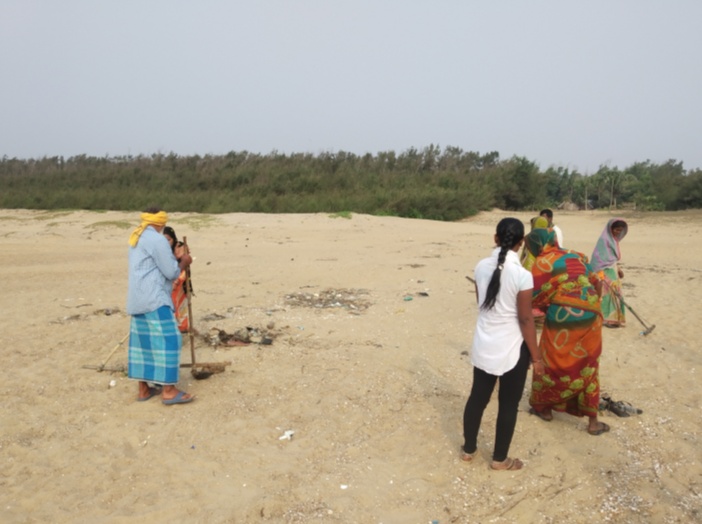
(559, 236)
(526, 280)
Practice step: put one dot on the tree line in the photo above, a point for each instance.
(432, 183)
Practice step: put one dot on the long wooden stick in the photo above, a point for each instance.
(190, 306)
(205, 370)
(102, 366)
(648, 329)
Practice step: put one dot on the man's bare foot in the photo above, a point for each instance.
(146, 392)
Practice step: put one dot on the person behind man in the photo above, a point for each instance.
(179, 294)
(548, 215)
(154, 339)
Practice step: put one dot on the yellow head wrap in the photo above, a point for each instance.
(156, 219)
(539, 223)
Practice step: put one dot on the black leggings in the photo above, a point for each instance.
(510, 393)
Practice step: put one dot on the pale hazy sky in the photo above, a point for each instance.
(568, 83)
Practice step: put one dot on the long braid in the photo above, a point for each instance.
(510, 232)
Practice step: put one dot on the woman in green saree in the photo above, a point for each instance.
(605, 262)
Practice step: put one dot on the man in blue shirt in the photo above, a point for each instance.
(154, 342)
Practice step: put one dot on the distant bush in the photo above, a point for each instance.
(431, 183)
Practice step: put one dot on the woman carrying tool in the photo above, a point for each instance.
(571, 339)
(605, 262)
(503, 345)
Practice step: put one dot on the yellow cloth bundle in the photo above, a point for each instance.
(147, 219)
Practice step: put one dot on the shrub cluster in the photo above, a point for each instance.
(430, 183)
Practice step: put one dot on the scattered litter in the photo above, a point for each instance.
(213, 316)
(350, 299)
(344, 486)
(288, 435)
(69, 318)
(618, 407)
(106, 311)
(407, 298)
(241, 337)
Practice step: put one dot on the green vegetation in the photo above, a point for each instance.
(341, 214)
(195, 222)
(437, 184)
(119, 224)
(50, 215)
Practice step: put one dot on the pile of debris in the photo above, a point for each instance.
(350, 299)
(241, 337)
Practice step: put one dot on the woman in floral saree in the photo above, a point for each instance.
(179, 293)
(571, 339)
(605, 262)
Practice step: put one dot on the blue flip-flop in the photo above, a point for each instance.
(178, 399)
(152, 393)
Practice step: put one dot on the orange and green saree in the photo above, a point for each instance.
(571, 339)
(179, 293)
(180, 302)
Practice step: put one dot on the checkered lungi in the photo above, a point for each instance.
(154, 347)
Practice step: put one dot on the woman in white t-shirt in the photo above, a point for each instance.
(503, 345)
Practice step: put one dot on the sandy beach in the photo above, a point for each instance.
(370, 321)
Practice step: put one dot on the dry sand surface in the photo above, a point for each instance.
(371, 320)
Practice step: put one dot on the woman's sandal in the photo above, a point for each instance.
(603, 428)
(543, 416)
(468, 457)
(509, 464)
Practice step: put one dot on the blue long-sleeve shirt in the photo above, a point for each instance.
(152, 270)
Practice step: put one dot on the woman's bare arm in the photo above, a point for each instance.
(528, 329)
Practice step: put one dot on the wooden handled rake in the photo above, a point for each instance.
(203, 370)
